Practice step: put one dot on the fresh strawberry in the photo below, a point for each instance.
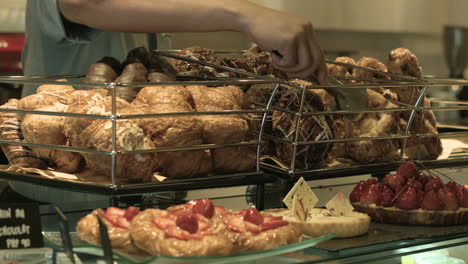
(131, 212)
(204, 207)
(394, 181)
(408, 170)
(371, 195)
(163, 222)
(115, 211)
(422, 178)
(371, 181)
(357, 191)
(273, 224)
(122, 222)
(387, 196)
(415, 184)
(462, 196)
(409, 199)
(449, 198)
(203, 222)
(187, 222)
(175, 232)
(253, 216)
(431, 201)
(253, 228)
(433, 183)
(234, 222)
(452, 185)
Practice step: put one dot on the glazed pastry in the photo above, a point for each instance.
(117, 221)
(187, 231)
(250, 230)
(104, 71)
(132, 73)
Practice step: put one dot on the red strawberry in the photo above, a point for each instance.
(422, 178)
(371, 181)
(204, 207)
(253, 216)
(462, 195)
(394, 180)
(415, 184)
(115, 211)
(409, 199)
(357, 191)
(187, 222)
(433, 183)
(131, 212)
(387, 197)
(273, 224)
(449, 199)
(408, 170)
(371, 195)
(452, 185)
(431, 201)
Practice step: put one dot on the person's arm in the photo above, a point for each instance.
(291, 36)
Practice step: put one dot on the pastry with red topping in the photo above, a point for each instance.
(251, 230)
(412, 197)
(117, 221)
(182, 231)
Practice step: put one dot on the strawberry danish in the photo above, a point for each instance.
(182, 231)
(250, 230)
(117, 221)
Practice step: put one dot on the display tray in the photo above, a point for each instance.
(53, 239)
(103, 185)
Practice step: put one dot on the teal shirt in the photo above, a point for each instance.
(56, 47)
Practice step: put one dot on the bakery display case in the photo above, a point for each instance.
(283, 130)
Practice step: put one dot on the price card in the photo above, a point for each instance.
(339, 205)
(20, 226)
(300, 200)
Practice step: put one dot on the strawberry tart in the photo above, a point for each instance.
(411, 196)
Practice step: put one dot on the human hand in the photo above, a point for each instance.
(293, 39)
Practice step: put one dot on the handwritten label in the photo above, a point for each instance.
(20, 226)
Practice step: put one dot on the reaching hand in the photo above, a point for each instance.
(293, 38)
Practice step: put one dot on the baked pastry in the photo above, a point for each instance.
(250, 230)
(366, 76)
(48, 129)
(181, 233)
(132, 73)
(224, 129)
(117, 222)
(129, 137)
(176, 131)
(11, 130)
(321, 222)
(173, 95)
(402, 61)
(104, 71)
(411, 197)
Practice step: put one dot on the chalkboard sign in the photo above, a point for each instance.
(20, 226)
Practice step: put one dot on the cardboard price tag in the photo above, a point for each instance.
(339, 205)
(20, 226)
(300, 200)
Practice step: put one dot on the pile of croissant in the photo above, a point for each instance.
(191, 130)
(131, 134)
